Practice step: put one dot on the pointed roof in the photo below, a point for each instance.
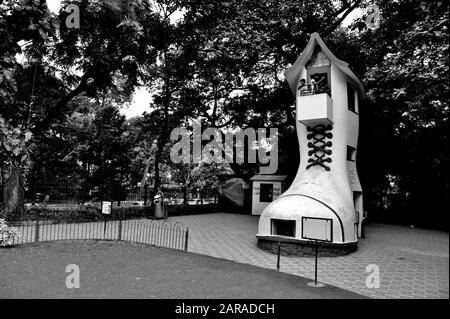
(292, 74)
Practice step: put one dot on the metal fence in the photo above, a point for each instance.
(152, 232)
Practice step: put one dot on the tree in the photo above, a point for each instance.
(166, 79)
(99, 143)
(407, 86)
(205, 177)
(222, 62)
(14, 159)
(15, 136)
(93, 50)
(240, 50)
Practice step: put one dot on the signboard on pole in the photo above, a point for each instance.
(106, 207)
(315, 228)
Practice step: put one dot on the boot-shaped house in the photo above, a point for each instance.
(325, 199)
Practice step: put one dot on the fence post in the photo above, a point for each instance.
(120, 230)
(278, 256)
(36, 234)
(186, 239)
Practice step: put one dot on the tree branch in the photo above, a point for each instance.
(330, 28)
(55, 109)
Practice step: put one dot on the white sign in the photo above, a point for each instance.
(106, 208)
(317, 228)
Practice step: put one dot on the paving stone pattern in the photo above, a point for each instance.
(413, 263)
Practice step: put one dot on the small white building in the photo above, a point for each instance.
(266, 188)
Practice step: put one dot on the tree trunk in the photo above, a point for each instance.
(156, 170)
(163, 136)
(185, 192)
(144, 176)
(13, 193)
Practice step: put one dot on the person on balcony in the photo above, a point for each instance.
(304, 90)
(314, 86)
(319, 84)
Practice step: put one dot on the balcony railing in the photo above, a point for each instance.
(311, 89)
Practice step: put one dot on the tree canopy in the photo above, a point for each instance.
(62, 88)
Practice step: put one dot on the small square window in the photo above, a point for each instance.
(283, 227)
(351, 153)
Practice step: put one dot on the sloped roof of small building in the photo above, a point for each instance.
(292, 74)
(272, 178)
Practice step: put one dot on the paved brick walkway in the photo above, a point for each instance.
(413, 263)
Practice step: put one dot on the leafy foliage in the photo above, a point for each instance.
(7, 234)
(407, 85)
(223, 62)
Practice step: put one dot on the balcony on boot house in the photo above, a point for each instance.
(313, 109)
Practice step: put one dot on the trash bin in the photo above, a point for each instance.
(158, 200)
(166, 209)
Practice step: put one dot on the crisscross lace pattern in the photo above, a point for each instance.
(319, 145)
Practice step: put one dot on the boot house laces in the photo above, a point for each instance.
(319, 146)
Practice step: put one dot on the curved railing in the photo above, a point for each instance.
(159, 233)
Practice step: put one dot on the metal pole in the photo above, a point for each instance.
(315, 271)
(36, 237)
(186, 239)
(120, 230)
(278, 256)
(104, 227)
